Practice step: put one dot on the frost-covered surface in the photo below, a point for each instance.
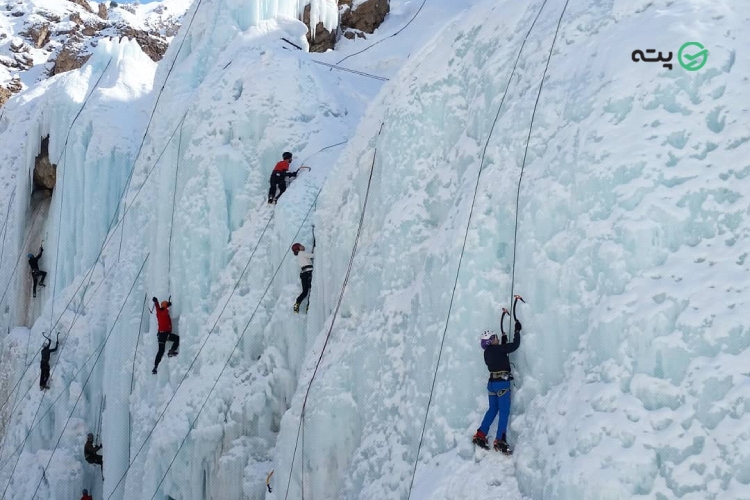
(632, 378)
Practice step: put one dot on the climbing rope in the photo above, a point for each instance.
(221, 313)
(388, 37)
(153, 111)
(63, 157)
(110, 233)
(471, 211)
(300, 427)
(90, 273)
(195, 358)
(334, 66)
(5, 226)
(236, 345)
(132, 373)
(70, 415)
(526, 151)
(20, 255)
(174, 200)
(74, 378)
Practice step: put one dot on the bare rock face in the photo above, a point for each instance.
(45, 173)
(68, 59)
(323, 39)
(151, 45)
(366, 17)
(39, 34)
(5, 94)
(103, 12)
(84, 4)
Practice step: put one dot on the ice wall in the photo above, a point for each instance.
(195, 207)
(633, 210)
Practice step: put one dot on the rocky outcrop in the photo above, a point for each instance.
(84, 4)
(69, 59)
(45, 173)
(365, 17)
(39, 34)
(151, 44)
(354, 22)
(323, 39)
(103, 12)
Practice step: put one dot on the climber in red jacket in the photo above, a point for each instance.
(164, 331)
(278, 177)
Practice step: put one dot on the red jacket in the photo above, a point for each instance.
(282, 166)
(163, 319)
(87, 497)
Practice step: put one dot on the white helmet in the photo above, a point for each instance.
(487, 337)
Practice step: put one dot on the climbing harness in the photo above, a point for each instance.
(499, 393)
(501, 375)
(476, 188)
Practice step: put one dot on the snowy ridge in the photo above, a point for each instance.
(631, 380)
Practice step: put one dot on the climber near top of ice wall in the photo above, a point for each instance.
(90, 451)
(278, 177)
(498, 363)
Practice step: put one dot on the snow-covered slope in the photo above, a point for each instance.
(632, 231)
(39, 38)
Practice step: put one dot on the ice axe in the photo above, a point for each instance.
(502, 322)
(516, 298)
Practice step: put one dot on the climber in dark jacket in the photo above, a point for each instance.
(496, 358)
(90, 451)
(44, 363)
(36, 273)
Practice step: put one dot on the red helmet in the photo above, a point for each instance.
(297, 247)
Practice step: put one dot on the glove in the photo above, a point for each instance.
(169, 304)
(154, 299)
(41, 248)
(518, 326)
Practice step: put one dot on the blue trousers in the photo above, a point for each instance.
(498, 404)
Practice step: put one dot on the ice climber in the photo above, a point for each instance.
(86, 496)
(36, 273)
(306, 269)
(90, 451)
(496, 357)
(164, 332)
(278, 177)
(44, 363)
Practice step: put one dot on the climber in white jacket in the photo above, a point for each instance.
(305, 275)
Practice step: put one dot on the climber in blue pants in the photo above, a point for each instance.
(498, 363)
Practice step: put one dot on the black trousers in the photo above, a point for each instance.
(94, 459)
(278, 180)
(164, 337)
(35, 275)
(306, 279)
(45, 374)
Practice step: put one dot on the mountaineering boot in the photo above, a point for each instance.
(296, 308)
(172, 353)
(154, 371)
(502, 446)
(480, 439)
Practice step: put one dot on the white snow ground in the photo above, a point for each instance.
(633, 224)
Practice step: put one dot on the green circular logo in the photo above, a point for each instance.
(694, 58)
